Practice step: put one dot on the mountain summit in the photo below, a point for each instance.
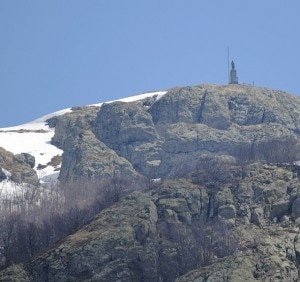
(165, 137)
(158, 135)
(220, 198)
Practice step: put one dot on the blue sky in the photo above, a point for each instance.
(60, 53)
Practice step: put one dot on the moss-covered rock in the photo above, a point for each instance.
(20, 167)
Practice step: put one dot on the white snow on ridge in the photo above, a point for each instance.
(34, 138)
(136, 97)
(38, 124)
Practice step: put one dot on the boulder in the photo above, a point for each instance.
(227, 211)
(20, 167)
(25, 158)
(279, 209)
(257, 216)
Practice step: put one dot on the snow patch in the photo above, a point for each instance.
(38, 124)
(48, 176)
(159, 94)
(36, 144)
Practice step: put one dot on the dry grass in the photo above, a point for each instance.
(55, 161)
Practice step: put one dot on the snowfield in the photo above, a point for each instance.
(35, 138)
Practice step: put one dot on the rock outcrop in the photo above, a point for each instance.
(166, 137)
(25, 158)
(85, 156)
(19, 166)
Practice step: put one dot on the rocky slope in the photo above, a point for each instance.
(227, 207)
(245, 230)
(164, 138)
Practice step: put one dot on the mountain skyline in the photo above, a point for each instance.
(55, 55)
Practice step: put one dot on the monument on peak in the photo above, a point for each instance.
(233, 74)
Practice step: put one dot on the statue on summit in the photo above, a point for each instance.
(233, 74)
(232, 65)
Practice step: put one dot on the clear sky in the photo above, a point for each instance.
(56, 54)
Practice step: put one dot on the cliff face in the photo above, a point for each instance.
(246, 229)
(164, 138)
(85, 157)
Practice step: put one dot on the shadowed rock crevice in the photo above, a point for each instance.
(202, 107)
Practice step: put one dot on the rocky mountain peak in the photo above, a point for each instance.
(221, 203)
(156, 137)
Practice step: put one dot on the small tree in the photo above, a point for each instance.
(8, 236)
(284, 150)
(211, 171)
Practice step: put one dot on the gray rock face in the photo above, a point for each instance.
(163, 234)
(85, 156)
(71, 125)
(127, 128)
(119, 124)
(180, 105)
(220, 106)
(167, 137)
